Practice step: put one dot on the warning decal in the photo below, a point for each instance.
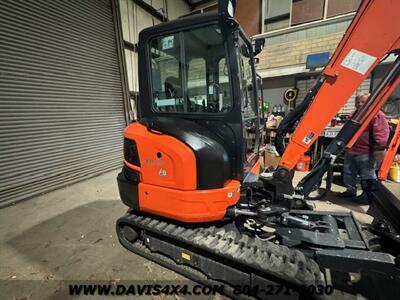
(307, 139)
(358, 61)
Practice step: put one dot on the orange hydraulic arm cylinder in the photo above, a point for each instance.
(390, 154)
(374, 32)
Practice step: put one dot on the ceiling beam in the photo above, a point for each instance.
(189, 2)
(150, 9)
(200, 3)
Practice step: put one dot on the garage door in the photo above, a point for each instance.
(305, 84)
(61, 100)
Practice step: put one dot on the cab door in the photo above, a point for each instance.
(249, 104)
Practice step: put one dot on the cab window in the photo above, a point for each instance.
(248, 101)
(189, 72)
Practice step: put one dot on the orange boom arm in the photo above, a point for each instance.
(373, 33)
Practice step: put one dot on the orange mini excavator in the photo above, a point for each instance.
(200, 203)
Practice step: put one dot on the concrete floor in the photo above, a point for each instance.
(69, 234)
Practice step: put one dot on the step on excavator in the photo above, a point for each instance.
(199, 201)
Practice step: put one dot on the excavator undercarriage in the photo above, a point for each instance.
(219, 253)
(307, 252)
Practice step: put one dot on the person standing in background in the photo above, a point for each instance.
(367, 151)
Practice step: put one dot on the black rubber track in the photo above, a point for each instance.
(266, 258)
(189, 272)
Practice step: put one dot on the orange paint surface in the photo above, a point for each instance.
(164, 160)
(189, 206)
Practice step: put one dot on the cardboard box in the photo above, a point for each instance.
(271, 159)
(261, 158)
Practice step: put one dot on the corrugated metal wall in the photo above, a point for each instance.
(304, 85)
(350, 104)
(61, 100)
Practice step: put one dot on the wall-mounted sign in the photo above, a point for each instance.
(317, 60)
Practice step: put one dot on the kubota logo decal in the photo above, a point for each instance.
(152, 162)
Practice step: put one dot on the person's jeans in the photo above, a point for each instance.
(364, 165)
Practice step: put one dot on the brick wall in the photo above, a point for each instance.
(295, 52)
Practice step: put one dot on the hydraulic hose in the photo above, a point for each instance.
(288, 123)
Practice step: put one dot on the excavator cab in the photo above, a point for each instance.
(197, 136)
(200, 70)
